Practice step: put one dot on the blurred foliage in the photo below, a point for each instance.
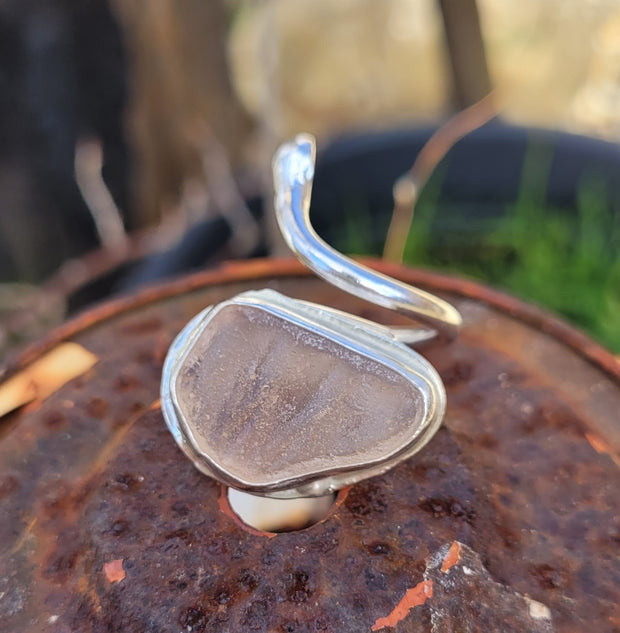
(563, 259)
(568, 263)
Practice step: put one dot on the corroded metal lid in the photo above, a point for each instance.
(508, 520)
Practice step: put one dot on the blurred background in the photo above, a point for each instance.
(136, 139)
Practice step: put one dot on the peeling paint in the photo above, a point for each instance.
(114, 570)
(413, 598)
(475, 600)
(452, 557)
(538, 611)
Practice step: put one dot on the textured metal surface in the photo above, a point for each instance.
(106, 526)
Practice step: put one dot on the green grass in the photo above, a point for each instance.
(570, 265)
(565, 261)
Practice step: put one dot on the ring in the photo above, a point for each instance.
(285, 398)
(293, 171)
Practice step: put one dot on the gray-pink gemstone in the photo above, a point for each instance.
(268, 400)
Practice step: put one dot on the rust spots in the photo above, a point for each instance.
(126, 482)
(60, 564)
(193, 619)
(487, 440)
(126, 382)
(256, 616)
(365, 499)
(297, 587)
(222, 595)
(119, 527)
(248, 579)
(558, 416)
(548, 577)
(96, 407)
(54, 419)
(440, 507)
(114, 570)
(180, 508)
(181, 534)
(379, 549)
(452, 557)
(8, 485)
(460, 372)
(413, 598)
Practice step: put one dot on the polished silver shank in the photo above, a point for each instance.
(286, 398)
(293, 172)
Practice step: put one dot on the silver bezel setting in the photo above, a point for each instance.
(364, 337)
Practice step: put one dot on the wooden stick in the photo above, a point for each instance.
(407, 188)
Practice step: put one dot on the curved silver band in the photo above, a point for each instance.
(293, 172)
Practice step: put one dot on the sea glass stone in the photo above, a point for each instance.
(269, 400)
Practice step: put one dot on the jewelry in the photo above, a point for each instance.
(285, 398)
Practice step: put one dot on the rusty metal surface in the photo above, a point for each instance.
(107, 527)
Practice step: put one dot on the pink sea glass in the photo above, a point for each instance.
(270, 400)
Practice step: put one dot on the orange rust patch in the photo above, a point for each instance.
(114, 570)
(341, 497)
(602, 448)
(413, 598)
(597, 443)
(452, 557)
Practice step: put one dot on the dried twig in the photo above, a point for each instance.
(407, 188)
(106, 216)
(225, 194)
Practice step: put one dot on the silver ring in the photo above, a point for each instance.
(293, 172)
(286, 398)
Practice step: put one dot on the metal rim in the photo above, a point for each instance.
(270, 268)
